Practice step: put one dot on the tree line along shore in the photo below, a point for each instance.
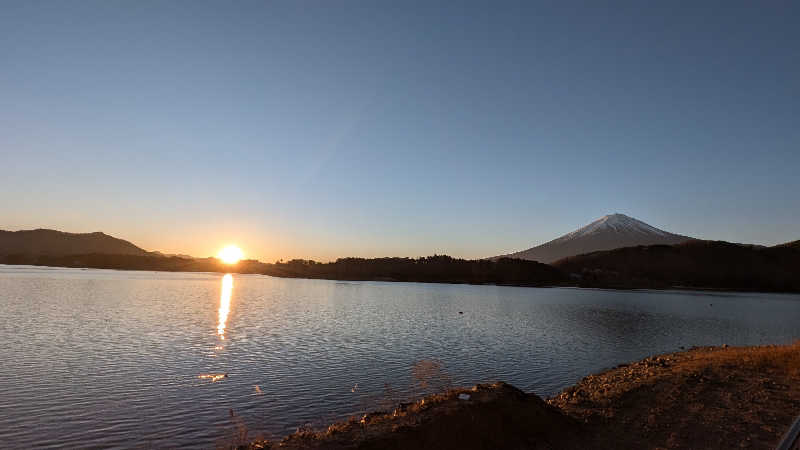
(694, 264)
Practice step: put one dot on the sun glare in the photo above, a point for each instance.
(231, 254)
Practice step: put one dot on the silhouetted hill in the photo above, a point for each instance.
(793, 244)
(606, 233)
(698, 264)
(59, 243)
(431, 269)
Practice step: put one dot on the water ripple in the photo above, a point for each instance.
(112, 359)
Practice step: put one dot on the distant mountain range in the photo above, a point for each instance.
(615, 251)
(58, 243)
(606, 233)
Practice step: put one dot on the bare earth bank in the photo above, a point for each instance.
(710, 397)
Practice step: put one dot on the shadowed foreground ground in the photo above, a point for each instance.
(712, 397)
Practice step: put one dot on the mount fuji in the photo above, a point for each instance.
(606, 233)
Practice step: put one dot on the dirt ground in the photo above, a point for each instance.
(719, 397)
(709, 398)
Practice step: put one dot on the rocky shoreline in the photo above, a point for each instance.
(709, 397)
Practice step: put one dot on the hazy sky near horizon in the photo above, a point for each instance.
(323, 129)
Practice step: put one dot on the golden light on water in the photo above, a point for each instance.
(224, 303)
(224, 309)
(213, 376)
(230, 254)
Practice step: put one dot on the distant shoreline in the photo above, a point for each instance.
(387, 280)
(693, 264)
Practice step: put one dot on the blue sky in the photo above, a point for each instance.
(326, 129)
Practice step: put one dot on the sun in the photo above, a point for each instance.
(230, 254)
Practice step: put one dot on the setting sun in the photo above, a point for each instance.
(230, 254)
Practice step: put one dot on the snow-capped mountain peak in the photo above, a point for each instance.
(616, 222)
(606, 233)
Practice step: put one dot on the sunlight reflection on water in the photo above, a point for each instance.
(224, 304)
(213, 376)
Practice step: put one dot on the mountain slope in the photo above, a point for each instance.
(793, 244)
(699, 264)
(59, 243)
(607, 233)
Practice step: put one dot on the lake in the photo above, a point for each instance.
(114, 358)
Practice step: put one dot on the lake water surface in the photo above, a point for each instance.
(113, 359)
